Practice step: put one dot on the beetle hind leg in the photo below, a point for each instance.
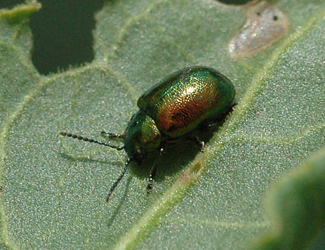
(197, 141)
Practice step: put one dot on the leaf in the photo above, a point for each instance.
(21, 12)
(296, 205)
(53, 188)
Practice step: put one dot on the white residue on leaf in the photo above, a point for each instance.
(265, 24)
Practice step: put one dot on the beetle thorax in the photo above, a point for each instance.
(141, 136)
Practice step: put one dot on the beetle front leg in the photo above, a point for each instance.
(112, 135)
(152, 175)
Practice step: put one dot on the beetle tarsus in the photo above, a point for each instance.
(152, 175)
(150, 185)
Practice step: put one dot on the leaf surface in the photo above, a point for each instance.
(54, 188)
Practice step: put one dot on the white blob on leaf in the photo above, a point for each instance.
(265, 24)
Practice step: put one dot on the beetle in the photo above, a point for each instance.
(170, 112)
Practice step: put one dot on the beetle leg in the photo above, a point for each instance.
(192, 138)
(153, 173)
(197, 141)
(112, 135)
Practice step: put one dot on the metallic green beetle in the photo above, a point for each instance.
(170, 111)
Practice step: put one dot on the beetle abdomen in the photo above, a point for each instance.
(187, 98)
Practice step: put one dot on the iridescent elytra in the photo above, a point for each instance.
(169, 112)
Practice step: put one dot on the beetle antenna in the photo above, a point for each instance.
(82, 138)
(118, 179)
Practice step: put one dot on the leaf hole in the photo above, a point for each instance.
(10, 3)
(62, 34)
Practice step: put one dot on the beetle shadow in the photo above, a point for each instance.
(176, 155)
(120, 204)
(84, 159)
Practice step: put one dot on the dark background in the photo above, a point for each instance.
(62, 32)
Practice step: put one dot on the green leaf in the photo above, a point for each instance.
(296, 206)
(21, 12)
(53, 188)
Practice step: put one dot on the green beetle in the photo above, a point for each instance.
(170, 111)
